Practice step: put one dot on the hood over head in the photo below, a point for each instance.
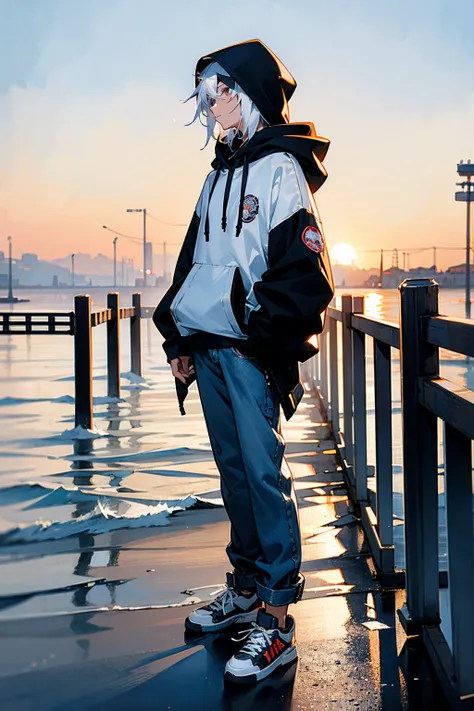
(260, 73)
(269, 84)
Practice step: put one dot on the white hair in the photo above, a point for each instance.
(207, 88)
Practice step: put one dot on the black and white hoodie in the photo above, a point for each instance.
(254, 270)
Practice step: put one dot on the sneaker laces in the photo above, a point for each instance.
(258, 639)
(225, 598)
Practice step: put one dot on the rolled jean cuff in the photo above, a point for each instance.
(284, 596)
(241, 581)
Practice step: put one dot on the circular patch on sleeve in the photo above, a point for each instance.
(313, 238)
(250, 208)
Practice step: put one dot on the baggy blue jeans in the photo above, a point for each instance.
(242, 415)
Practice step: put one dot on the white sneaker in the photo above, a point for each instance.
(267, 648)
(230, 607)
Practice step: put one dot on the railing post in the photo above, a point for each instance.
(383, 441)
(317, 368)
(323, 356)
(136, 335)
(347, 376)
(460, 532)
(312, 372)
(334, 377)
(418, 359)
(113, 346)
(360, 405)
(83, 361)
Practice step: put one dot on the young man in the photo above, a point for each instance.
(251, 284)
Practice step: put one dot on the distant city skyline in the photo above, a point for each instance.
(416, 257)
(30, 270)
(92, 120)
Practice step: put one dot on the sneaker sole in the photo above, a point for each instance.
(237, 619)
(286, 658)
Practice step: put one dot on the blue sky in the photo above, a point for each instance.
(92, 119)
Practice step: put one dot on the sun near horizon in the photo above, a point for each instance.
(343, 254)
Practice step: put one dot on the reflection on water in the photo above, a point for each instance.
(374, 305)
(144, 418)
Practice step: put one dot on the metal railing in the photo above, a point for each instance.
(79, 323)
(426, 397)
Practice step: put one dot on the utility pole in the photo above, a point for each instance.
(142, 209)
(123, 271)
(144, 248)
(115, 261)
(381, 268)
(10, 270)
(434, 258)
(466, 170)
(72, 269)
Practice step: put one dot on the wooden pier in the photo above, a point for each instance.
(79, 324)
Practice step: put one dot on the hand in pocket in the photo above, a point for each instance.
(182, 367)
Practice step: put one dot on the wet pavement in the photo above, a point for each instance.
(143, 659)
(115, 639)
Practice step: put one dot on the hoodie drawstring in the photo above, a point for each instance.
(228, 186)
(206, 226)
(245, 172)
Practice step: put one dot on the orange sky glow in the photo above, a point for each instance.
(86, 133)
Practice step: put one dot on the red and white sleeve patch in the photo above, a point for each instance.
(313, 238)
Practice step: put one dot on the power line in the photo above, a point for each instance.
(410, 251)
(164, 222)
(121, 234)
(138, 239)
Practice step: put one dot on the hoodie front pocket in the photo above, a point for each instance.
(211, 299)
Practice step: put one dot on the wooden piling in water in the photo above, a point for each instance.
(136, 335)
(113, 346)
(83, 361)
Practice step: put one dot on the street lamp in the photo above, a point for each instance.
(72, 269)
(115, 261)
(466, 170)
(142, 209)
